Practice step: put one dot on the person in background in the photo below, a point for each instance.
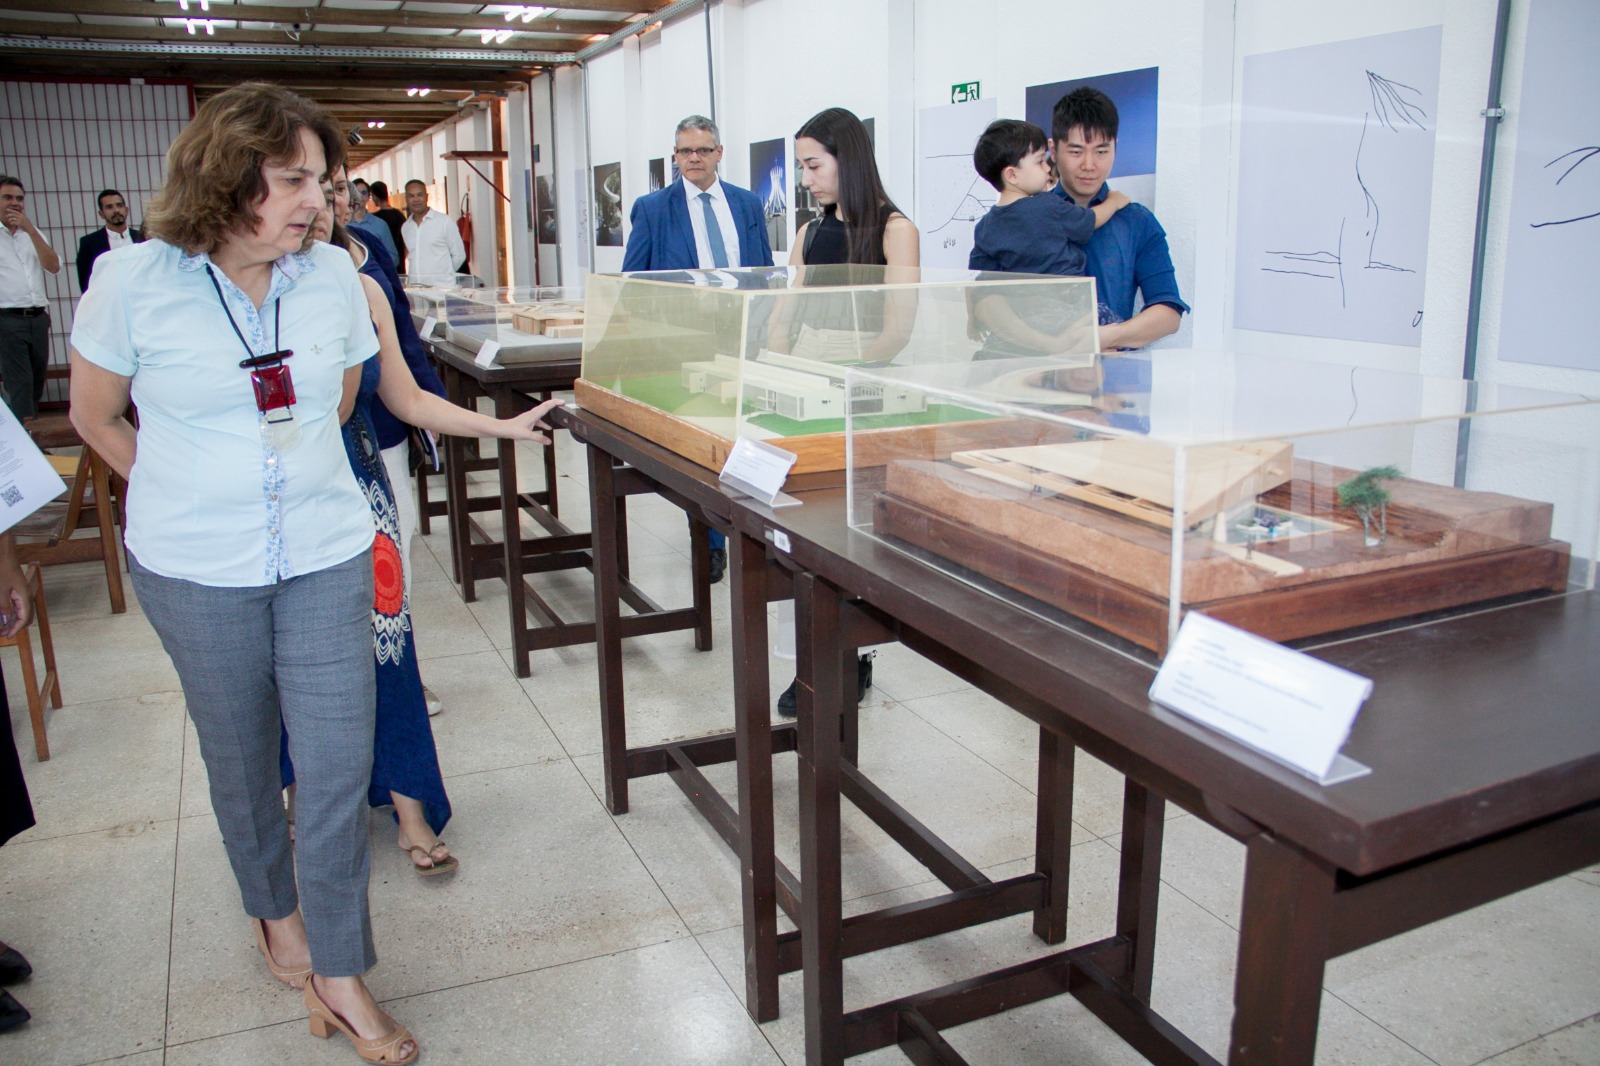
(16, 810)
(25, 258)
(1129, 253)
(378, 205)
(374, 230)
(861, 225)
(116, 233)
(433, 244)
(1027, 231)
(249, 542)
(699, 222)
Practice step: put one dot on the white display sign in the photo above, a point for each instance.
(487, 353)
(428, 324)
(1281, 702)
(27, 480)
(758, 469)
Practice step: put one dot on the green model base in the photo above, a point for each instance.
(665, 392)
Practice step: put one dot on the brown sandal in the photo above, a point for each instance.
(292, 978)
(436, 864)
(382, 1049)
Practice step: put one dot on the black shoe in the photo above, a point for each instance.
(787, 706)
(719, 563)
(13, 967)
(12, 1013)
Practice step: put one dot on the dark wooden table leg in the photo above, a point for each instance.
(1053, 834)
(747, 567)
(505, 406)
(604, 518)
(700, 578)
(458, 518)
(552, 501)
(1283, 949)
(1139, 881)
(818, 688)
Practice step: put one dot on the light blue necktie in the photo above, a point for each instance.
(719, 251)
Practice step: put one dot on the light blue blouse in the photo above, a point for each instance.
(212, 498)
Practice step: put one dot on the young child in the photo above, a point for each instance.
(1028, 232)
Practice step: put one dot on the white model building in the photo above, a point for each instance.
(800, 389)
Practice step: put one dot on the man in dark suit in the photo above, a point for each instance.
(698, 222)
(116, 233)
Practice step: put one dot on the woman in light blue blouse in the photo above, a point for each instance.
(249, 540)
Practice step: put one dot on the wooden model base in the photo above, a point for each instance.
(821, 462)
(1446, 548)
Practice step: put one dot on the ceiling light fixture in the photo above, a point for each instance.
(526, 13)
(190, 24)
(205, 5)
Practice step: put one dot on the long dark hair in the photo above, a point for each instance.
(865, 206)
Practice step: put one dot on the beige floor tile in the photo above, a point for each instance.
(545, 878)
(1485, 981)
(901, 674)
(92, 913)
(112, 764)
(443, 625)
(488, 722)
(1576, 1045)
(109, 658)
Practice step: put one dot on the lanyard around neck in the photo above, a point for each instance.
(277, 315)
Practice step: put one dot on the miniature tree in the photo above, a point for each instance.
(1364, 495)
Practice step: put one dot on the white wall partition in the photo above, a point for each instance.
(68, 140)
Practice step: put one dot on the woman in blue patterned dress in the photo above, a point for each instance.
(405, 767)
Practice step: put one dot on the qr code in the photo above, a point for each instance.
(11, 495)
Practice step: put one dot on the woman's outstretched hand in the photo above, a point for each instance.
(527, 425)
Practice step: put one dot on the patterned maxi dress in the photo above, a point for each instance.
(404, 757)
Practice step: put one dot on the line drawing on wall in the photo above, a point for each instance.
(951, 197)
(1335, 185)
(1584, 154)
(1547, 307)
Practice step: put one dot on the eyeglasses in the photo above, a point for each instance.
(697, 153)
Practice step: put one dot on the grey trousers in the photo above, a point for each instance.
(301, 648)
(24, 356)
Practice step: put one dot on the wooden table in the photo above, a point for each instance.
(477, 552)
(1481, 732)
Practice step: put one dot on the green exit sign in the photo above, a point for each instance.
(964, 91)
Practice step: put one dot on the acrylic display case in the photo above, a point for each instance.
(695, 360)
(528, 324)
(1292, 499)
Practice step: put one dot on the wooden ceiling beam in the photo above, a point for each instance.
(330, 16)
(223, 71)
(179, 35)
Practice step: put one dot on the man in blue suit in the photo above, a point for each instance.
(699, 222)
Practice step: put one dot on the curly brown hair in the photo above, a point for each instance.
(214, 179)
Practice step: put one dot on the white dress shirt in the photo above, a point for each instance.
(434, 246)
(21, 276)
(697, 219)
(116, 240)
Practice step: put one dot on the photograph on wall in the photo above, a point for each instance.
(544, 194)
(951, 196)
(608, 205)
(1553, 245)
(805, 205)
(1135, 93)
(658, 174)
(1335, 186)
(769, 181)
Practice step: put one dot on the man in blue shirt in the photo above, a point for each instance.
(1129, 253)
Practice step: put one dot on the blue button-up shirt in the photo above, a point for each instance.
(1129, 254)
(212, 498)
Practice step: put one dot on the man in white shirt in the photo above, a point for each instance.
(25, 256)
(433, 244)
(116, 233)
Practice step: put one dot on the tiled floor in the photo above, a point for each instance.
(572, 937)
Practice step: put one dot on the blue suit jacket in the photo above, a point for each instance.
(662, 237)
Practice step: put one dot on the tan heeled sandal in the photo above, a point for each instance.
(294, 978)
(382, 1049)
